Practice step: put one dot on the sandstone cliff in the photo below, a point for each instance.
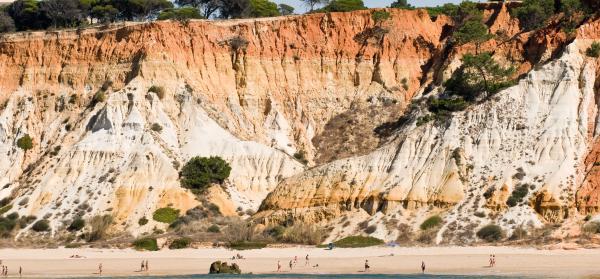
(260, 93)
(254, 92)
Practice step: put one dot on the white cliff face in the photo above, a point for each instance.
(111, 161)
(535, 133)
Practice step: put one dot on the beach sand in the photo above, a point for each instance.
(439, 260)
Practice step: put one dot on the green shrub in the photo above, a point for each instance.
(13, 216)
(158, 90)
(213, 229)
(41, 226)
(24, 221)
(431, 222)
(76, 225)
(6, 226)
(479, 214)
(180, 243)
(301, 156)
(380, 16)
(5, 208)
(199, 172)
(5, 201)
(156, 127)
(146, 243)
(454, 104)
(183, 13)
(166, 215)
(491, 233)
(99, 97)
(593, 50)
(371, 229)
(358, 241)
(247, 245)
(344, 6)
(592, 227)
(517, 195)
(25, 142)
(143, 221)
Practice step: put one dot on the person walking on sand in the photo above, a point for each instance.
(143, 266)
(367, 267)
(278, 266)
(493, 260)
(20, 271)
(291, 265)
(147, 266)
(100, 268)
(423, 267)
(307, 263)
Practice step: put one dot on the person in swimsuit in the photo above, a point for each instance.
(367, 266)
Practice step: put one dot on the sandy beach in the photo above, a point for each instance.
(439, 260)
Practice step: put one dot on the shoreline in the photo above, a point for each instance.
(43, 263)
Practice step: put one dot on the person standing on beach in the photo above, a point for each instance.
(142, 266)
(147, 266)
(307, 261)
(278, 266)
(20, 271)
(367, 267)
(493, 260)
(423, 267)
(291, 264)
(100, 269)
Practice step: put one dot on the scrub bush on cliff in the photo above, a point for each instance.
(199, 172)
(180, 14)
(344, 6)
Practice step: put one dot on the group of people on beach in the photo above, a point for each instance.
(293, 262)
(492, 260)
(4, 271)
(145, 266)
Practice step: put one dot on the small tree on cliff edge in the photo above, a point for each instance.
(199, 172)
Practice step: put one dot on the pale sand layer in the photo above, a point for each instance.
(439, 260)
